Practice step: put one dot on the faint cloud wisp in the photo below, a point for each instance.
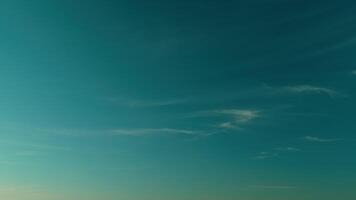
(134, 103)
(237, 117)
(265, 155)
(153, 131)
(290, 149)
(309, 89)
(322, 140)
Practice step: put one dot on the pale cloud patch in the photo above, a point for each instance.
(240, 116)
(125, 131)
(265, 155)
(237, 117)
(153, 131)
(321, 140)
(288, 149)
(310, 89)
(138, 103)
(275, 153)
(302, 89)
(227, 125)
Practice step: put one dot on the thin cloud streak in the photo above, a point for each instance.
(290, 149)
(153, 131)
(265, 155)
(303, 89)
(227, 125)
(241, 116)
(321, 140)
(238, 117)
(134, 103)
(250, 93)
(309, 89)
(126, 132)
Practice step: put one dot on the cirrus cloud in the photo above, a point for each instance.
(153, 131)
(310, 89)
(235, 117)
(318, 139)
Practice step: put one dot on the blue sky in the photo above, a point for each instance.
(180, 100)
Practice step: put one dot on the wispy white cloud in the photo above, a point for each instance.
(136, 103)
(310, 89)
(237, 117)
(317, 139)
(241, 116)
(265, 155)
(290, 149)
(273, 187)
(153, 131)
(275, 153)
(301, 89)
(227, 125)
(125, 131)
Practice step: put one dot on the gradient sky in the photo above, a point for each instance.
(178, 100)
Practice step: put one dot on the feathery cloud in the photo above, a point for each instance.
(309, 89)
(152, 131)
(135, 103)
(317, 139)
(240, 116)
(265, 155)
(125, 131)
(237, 117)
(227, 125)
(290, 149)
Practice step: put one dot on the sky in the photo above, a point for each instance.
(179, 100)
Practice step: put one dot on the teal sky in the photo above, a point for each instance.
(178, 100)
